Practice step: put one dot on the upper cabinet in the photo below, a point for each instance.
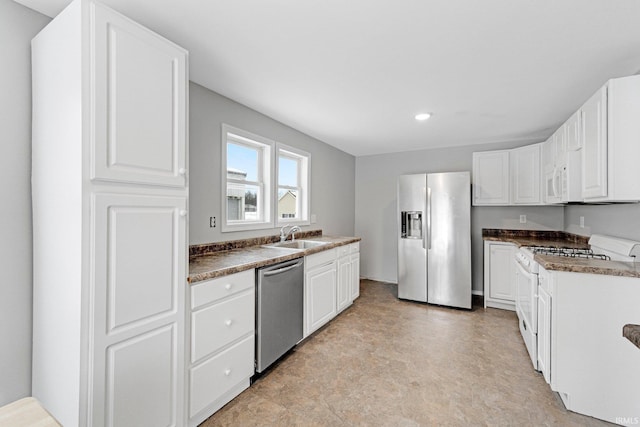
(591, 158)
(610, 148)
(138, 120)
(573, 133)
(594, 153)
(525, 175)
(491, 178)
(507, 177)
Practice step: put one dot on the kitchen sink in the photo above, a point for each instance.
(297, 244)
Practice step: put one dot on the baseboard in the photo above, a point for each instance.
(475, 292)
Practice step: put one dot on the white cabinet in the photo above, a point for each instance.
(491, 178)
(544, 324)
(610, 149)
(348, 275)
(344, 278)
(222, 337)
(594, 150)
(138, 131)
(355, 271)
(320, 286)
(109, 220)
(525, 175)
(593, 368)
(507, 177)
(573, 132)
(499, 275)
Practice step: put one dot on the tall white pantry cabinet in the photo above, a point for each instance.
(110, 192)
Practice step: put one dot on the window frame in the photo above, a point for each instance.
(264, 181)
(303, 200)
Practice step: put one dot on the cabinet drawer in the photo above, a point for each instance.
(355, 247)
(211, 379)
(343, 250)
(320, 258)
(212, 290)
(218, 325)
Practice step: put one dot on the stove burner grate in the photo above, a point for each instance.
(569, 252)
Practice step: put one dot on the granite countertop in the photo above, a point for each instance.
(561, 239)
(556, 239)
(632, 333)
(589, 266)
(221, 263)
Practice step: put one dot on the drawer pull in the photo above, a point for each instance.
(227, 286)
(228, 322)
(227, 372)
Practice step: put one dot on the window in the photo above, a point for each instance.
(293, 186)
(259, 189)
(246, 180)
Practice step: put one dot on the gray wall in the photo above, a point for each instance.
(615, 220)
(376, 207)
(18, 25)
(332, 170)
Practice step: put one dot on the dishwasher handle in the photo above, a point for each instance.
(281, 270)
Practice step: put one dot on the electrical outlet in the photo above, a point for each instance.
(212, 222)
(523, 219)
(314, 219)
(581, 222)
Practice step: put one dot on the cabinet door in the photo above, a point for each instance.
(573, 132)
(525, 174)
(138, 131)
(594, 146)
(544, 333)
(138, 289)
(549, 155)
(502, 272)
(491, 178)
(560, 138)
(344, 283)
(320, 286)
(355, 276)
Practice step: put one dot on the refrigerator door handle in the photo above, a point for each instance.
(429, 217)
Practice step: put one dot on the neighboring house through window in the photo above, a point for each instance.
(293, 185)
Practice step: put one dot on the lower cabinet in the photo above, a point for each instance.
(344, 278)
(544, 324)
(348, 275)
(320, 287)
(499, 275)
(355, 271)
(222, 340)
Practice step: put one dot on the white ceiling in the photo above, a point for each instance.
(354, 73)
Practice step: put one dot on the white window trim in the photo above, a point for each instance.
(304, 198)
(266, 166)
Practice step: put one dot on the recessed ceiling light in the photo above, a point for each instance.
(423, 116)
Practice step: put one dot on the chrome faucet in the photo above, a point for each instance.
(292, 230)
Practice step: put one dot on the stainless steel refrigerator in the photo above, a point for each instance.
(434, 238)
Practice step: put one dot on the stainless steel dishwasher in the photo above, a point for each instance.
(278, 310)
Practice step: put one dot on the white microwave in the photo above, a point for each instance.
(563, 184)
(552, 188)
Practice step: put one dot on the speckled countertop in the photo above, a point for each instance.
(208, 265)
(557, 239)
(561, 239)
(632, 333)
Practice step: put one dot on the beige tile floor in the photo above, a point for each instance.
(386, 362)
